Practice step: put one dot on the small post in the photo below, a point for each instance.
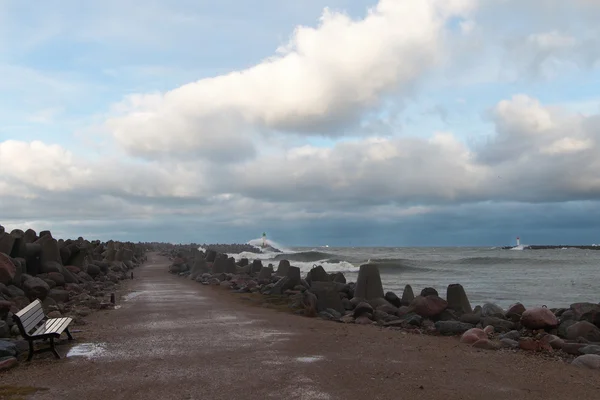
(112, 298)
(131, 274)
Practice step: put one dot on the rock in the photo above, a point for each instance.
(8, 270)
(265, 274)
(429, 291)
(58, 295)
(564, 326)
(338, 277)
(515, 312)
(7, 363)
(4, 330)
(282, 268)
(387, 308)
(15, 291)
(586, 311)
(368, 283)
(447, 315)
(219, 264)
(585, 330)
(557, 343)
(36, 288)
(589, 361)
(54, 314)
(539, 318)
(492, 310)
(327, 296)
(93, 270)
(407, 295)
(57, 278)
(457, 299)
(198, 268)
(230, 267)
(393, 299)
(470, 318)
(412, 319)
(362, 308)
(501, 325)
(288, 282)
(257, 265)
(529, 344)
(309, 302)
(473, 335)
(489, 330)
(573, 348)
(7, 349)
(363, 320)
(429, 306)
(485, 344)
(590, 349)
(211, 255)
(513, 335)
(317, 274)
(452, 327)
(509, 343)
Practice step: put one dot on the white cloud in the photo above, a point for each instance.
(320, 82)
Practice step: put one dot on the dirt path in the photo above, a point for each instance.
(176, 339)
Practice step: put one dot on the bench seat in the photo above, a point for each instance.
(34, 325)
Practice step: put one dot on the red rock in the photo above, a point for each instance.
(488, 330)
(473, 335)
(363, 320)
(7, 269)
(529, 344)
(539, 318)
(8, 363)
(429, 306)
(545, 342)
(73, 269)
(485, 344)
(515, 310)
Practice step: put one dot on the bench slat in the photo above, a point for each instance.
(22, 313)
(33, 320)
(54, 325)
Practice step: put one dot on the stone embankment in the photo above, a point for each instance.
(571, 333)
(71, 277)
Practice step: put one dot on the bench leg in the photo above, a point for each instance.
(53, 348)
(68, 334)
(30, 356)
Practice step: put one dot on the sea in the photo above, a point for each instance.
(554, 278)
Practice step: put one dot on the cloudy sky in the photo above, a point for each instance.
(340, 122)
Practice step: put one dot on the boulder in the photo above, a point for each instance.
(393, 299)
(362, 308)
(7, 349)
(230, 267)
(8, 270)
(36, 288)
(508, 343)
(338, 277)
(512, 335)
(429, 291)
(282, 268)
(470, 318)
(7, 242)
(492, 310)
(501, 325)
(452, 327)
(539, 318)
(93, 270)
(457, 299)
(589, 361)
(587, 312)
(57, 278)
(407, 295)
(486, 344)
(590, 349)
(265, 274)
(4, 330)
(58, 295)
(257, 266)
(7, 363)
(515, 312)
(287, 282)
(429, 306)
(368, 284)
(473, 335)
(198, 268)
(317, 274)
(309, 302)
(327, 296)
(219, 264)
(211, 255)
(583, 329)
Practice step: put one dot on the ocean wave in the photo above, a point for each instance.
(307, 256)
(397, 265)
(339, 266)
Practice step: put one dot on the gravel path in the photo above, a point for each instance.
(173, 338)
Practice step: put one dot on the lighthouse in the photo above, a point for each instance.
(264, 240)
(518, 241)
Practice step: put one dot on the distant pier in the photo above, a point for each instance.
(554, 247)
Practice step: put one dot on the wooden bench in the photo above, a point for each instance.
(34, 325)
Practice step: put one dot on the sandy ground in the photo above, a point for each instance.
(173, 338)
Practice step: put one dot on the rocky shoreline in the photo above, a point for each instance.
(571, 334)
(72, 278)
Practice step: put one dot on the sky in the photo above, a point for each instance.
(338, 122)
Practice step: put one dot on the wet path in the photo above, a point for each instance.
(173, 338)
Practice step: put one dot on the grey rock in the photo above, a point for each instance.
(407, 295)
(362, 308)
(317, 274)
(282, 268)
(512, 335)
(470, 318)
(393, 299)
(429, 291)
(328, 296)
(4, 329)
(452, 327)
(457, 299)
(589, 361)
(509, 343)
(368, 283)
(501, 325)
(36, 288)
(585, 330)
(7, 349)
(492, 310)
(590, 349)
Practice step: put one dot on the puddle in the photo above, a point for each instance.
(131, 295)
(87, 350)
(310, 359)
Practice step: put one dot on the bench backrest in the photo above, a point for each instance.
(29, 317)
